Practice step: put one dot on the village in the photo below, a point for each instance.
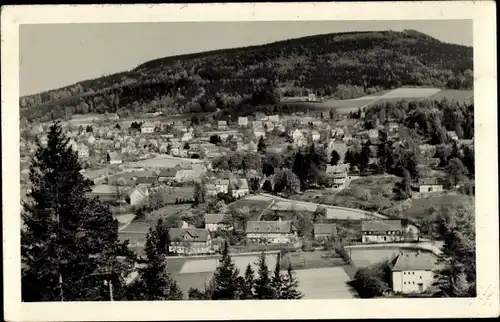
(223, 180)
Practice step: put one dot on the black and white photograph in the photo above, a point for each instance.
(199, 161)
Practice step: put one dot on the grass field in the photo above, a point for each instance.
(324, 283)
(420, 207)
(452, 94)
(164, 161)
(255, 206)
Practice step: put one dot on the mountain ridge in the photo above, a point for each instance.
(198, 81)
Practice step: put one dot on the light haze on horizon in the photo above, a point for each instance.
(57, 55)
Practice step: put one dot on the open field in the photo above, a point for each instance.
(395, 95)
(420, 207)
(324, 283)
(452, 94)
(165, 161)
(255, 205)
(332, 212)
(197, 272)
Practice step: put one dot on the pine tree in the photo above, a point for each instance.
(261, 146)
(263, 290)
(225, 278)
(290, 286)
(277, 280)
(69, 242)
(248, 283)
(154, 283)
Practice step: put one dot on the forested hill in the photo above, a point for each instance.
(225, 79)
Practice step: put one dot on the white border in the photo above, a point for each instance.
(487, 302)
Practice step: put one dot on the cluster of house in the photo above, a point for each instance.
(237, 187)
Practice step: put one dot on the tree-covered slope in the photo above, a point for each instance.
(227, 78)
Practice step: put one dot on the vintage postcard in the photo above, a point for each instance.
(301, 160)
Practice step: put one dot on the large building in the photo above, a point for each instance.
(382, 231)
(190, 241)
(270, 232)
(412, 272)
(337, 175)
(214, 222)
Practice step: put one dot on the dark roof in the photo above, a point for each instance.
(167, 173)
(325, 229)
(191, 234)
(214, 218)
(239, 183)
(146, 180)
(381, 225)
(428, 181)
(414, 262)
(269, 227)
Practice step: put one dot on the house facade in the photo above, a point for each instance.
(190, 241)
(214, 222)
(221, 185)
(325, 232)
(222, 125)
(147, 128)
(137, 195)
(337, 175)
(413, 272)
(239, 187)
(114, 158)
(381, 231)
(243, 121)
(429, 185)
(270, 232)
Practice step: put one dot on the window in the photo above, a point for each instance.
(413, 282)
(413, 273)
(404, 282)
(404, 273)
(420, 277)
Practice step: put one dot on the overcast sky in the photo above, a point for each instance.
(56, 55)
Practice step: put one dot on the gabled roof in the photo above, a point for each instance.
(168, 173)
(214, 218)
(325, 229)
(239, 183)
(428, 181)
(114, 156)
(414, 262)
(146, 180)
(142, 190)
(269, 227)
(381, 225)
(336, 168)
(191, 234)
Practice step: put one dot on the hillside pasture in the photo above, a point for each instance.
(164, 161)
(420, 207)
(452, 94)
(255, 205)
(410, 92)
(324, 283)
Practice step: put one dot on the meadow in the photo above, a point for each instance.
(420, 207)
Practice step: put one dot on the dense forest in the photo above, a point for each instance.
(227, 79)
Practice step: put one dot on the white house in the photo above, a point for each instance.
(412, 272)
(138, 194)
(452, 135)
(429, 185)
(239, 187)
(222, 125)
(259, 132)
(242, 121)
(222, 185)
(337, 174)
(381, 231)
(315, 135)
(274, 118)
(270, 232)
(147, 128)
(296, 135)
(114, 158)
(373, 134)
(190, 241)
(186, 137)
(214, 222)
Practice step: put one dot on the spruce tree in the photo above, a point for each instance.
(154, 282)
(69, 242)
(225, 278)
(248, 283)
(263, 290)
(277, 280)
(290, 286)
